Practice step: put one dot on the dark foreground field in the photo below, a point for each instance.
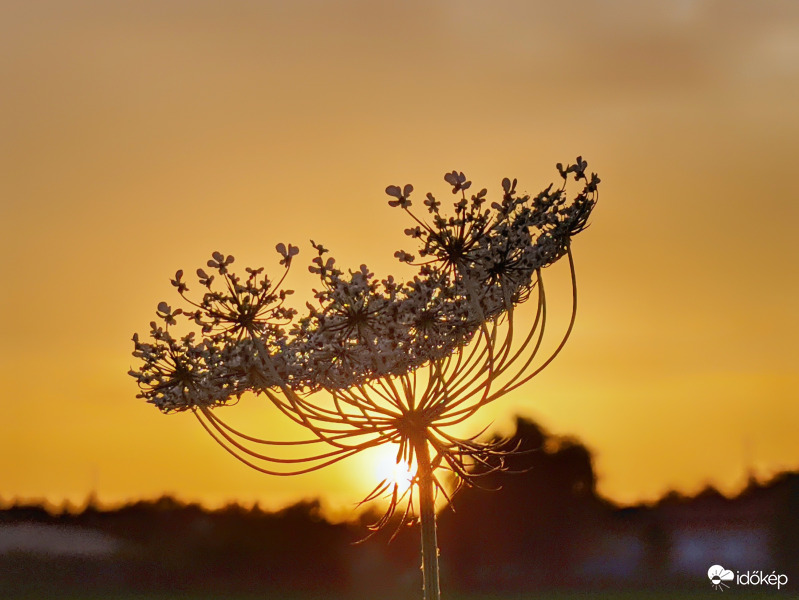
(555, 595)
(599, 595)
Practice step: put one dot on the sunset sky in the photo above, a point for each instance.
(136, 137)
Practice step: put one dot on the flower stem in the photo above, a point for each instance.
(427, 512)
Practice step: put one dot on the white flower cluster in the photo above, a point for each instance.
(473, 266)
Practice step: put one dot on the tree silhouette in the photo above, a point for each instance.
(376, 361)
(529, 533)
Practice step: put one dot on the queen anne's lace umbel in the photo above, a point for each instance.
(397, 360)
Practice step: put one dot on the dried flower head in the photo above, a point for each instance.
(377, 361)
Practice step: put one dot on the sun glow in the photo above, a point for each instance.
(389, 470)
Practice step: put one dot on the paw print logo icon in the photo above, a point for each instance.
(718, 575)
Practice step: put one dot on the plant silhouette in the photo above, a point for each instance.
(373, 361)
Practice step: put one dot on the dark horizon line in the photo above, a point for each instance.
(317, 504)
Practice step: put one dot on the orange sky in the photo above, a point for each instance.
(137, 137)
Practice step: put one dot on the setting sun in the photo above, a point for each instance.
(396, 473)
(380, 465)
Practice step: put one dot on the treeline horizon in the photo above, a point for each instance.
(93, 503)
(540, 526)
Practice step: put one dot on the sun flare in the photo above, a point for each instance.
(389, 470)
